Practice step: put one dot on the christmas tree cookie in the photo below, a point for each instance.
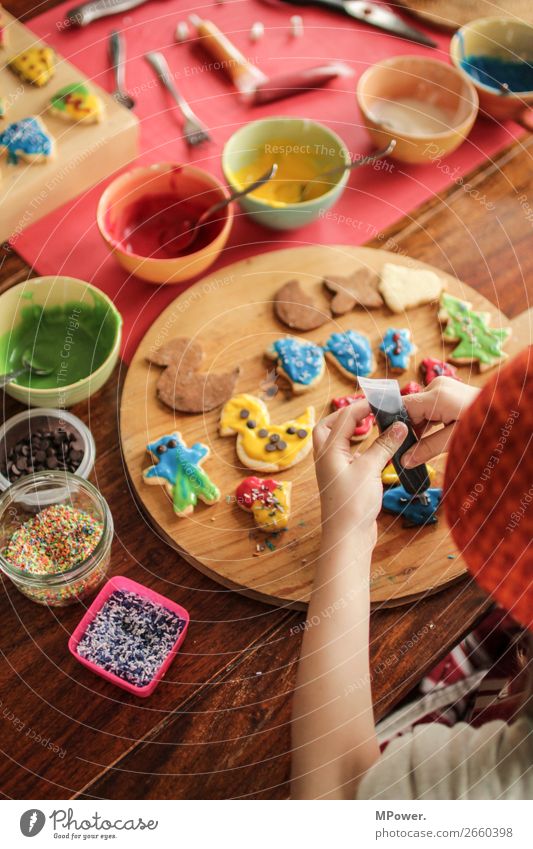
(477, 341)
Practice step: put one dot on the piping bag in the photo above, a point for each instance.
(294, 82)
(387, 405)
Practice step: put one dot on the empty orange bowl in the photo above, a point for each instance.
(146, 216)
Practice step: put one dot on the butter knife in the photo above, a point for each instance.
(80, 16)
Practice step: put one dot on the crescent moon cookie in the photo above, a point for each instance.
(35, 65)
(181, 386)
(299, 361)
(397, 348)
(403, 287)
(413, 511)
(76, 103)
(295, 308)
(478, 342)
(362, 428)
(268, 500)
(351, 353)
(389, 476)
(28, 140)
(356, 289)
(431, 368)
(263, 446)
(178, 469)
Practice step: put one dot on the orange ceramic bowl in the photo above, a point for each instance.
(143, 214)
(427, 106)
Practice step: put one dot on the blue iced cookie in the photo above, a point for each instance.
(27, 139)
(351, 353)
(301, 362)
(397, 348)
(179, 469)
(413, 510)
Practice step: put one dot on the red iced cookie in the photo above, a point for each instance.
(411, 388)
(269, 501)
(363, 427)
(432, 368)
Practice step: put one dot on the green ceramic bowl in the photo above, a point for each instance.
(66, 325)
(309, 139)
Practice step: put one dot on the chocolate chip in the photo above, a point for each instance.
(51, 462)
(21, 464)
(302, 434)
(281, 446)
(161, 449)
(244, 414)
(44, 449)
(291, 429)
(40, 456)
(274, 437)
(172, 443)
(262, 433)
(250, 423)
(270, 446)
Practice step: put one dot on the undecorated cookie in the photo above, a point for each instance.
(295, 308)
(356, 289)
(403, 287)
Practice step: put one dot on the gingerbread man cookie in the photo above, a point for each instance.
(28, 140)
(356, 289)
(261, 445)
(432, 368)
(417, 511)
(397, 348)
(268, 500)
(295, 308)
(351, 353)
(178, 469)
(76, 103)
(363, 427)
(403, 287)
(478, 342)
(35, 65)
(299, 361)
(182, 386)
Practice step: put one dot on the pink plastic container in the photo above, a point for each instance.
(121, 583)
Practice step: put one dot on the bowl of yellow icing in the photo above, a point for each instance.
(303, 151)
(71, 329)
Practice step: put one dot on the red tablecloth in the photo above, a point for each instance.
(67, 241)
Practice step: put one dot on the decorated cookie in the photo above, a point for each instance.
(296, 309)
(389, 476)
(356, 289)
(3, 107)
(36, 65)
(362, 428)
(414, 511)
(268, 500)
(397, 348)
(478, 342)
(179, 469)
(403, 287)
(76, 103)
(351, 353)
(299, 361)
(431, 368)
(3, 29)
(27, 139)
(181, 386)
(411, 388)
(263, 446)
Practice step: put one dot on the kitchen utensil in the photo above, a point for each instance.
(86, 13)
(241, 72)
(353, 166)
(27, 366)
(117, 54)
(294, 82)
(373, 14)
(194, 131)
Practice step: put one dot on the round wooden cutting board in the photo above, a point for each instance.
(452, 14)
(230, 313)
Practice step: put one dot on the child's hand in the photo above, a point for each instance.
(442, 402)
(350, 483)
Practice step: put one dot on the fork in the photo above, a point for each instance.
(194, 131)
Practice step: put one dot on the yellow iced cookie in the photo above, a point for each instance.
(35, 65)
(76, 103)
(268, 500)
(261, 445)
(390, 478)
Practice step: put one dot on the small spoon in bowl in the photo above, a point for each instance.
(340, 169)
(28, 367)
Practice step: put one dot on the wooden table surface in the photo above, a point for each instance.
(218, 726)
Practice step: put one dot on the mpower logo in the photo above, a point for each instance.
(32, 822)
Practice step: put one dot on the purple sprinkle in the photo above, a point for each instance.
(130, 637)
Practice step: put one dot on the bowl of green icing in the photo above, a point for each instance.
(69, 329)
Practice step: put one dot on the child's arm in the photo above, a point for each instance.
(333, 737)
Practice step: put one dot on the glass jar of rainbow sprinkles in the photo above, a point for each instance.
(56, 532)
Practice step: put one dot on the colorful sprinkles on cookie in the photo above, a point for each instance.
(397, 348)
(300, 361)
(477, 340)
(432, 368)
(131, 637)
(178, 468)
(268, 500)
(351, 352)
(415, 511)
(76, 102)
(26, 139)
(35, 65)
(363, 427)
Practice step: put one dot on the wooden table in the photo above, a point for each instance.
(218, 726)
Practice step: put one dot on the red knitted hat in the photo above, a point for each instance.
(488, 488)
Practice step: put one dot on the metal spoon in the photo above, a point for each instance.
(189, 237)
(27, 367)
(358, 163)
(117, 55)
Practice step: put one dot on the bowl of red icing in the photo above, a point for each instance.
(146, 217)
